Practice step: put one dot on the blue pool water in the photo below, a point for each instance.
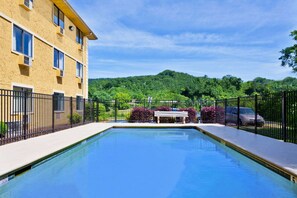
(149, 163)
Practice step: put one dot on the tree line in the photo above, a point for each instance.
(171, 85)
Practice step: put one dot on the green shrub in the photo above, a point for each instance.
(127, 117)
(3, 128)
(103, 116)
(76, 118)
(124, 106)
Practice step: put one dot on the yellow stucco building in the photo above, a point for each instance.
(43, 48)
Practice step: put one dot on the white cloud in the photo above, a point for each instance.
(246, 34)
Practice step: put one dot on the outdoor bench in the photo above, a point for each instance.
(171, 114)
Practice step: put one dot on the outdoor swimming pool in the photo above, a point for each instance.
(149, 163)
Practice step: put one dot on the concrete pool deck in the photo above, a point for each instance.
(277, 155)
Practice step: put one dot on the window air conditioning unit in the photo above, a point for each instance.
(27, 4)
(79, 80)
(80, 47)
(59, 73)
(25, 61)
(60, 31)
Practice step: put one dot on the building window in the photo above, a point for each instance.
(79, 36)
(58, 17)
(79, 103)
(22, 41)
(22, 98)
(58, 59)
(79, 70)
(58, 101)
(28, 3)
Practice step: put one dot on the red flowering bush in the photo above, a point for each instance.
(213, 115)
(191, 113)
(163, 108)
(140, 114)
(220, 115)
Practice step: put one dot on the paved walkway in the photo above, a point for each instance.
(17, 155)
(278, 152)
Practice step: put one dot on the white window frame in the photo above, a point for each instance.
(12, 43)
(60, 92)
(32, 1)
(82, 97)
(81, 75)
(12, 99)
(59, 10)
(80, 35)
(59, 67)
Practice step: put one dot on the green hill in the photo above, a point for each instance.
(171, 85)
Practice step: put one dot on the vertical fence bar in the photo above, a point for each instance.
(284, 115)
(294, 118)
(97, 111)
(6, 110)
(71, 112)
(84, 111)
(25, 115)
(238, 112)
(53, 113)
(225, 104)
(1, 118)
(295, 123)
(93, 109)
(216, 112)
(115, 110)
(256, 114)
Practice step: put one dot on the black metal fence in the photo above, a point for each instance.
(120, 110)
(273, 115)
(25, 114)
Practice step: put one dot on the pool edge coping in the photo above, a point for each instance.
(21, 170)
(262, 161)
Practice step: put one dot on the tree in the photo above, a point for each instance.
(101, 95)
(229, 81)
(289, 54)
(123, 100)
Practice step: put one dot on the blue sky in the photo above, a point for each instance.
(200, 37)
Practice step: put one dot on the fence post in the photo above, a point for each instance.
(97, 111)
(84, 111)
(53, 113)
(284, 115)
(238, 112)
(93, 111)
(71, 112)
(256, 114)
(216, 113)
(115, 110)
(225, 120)
(25, 115)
